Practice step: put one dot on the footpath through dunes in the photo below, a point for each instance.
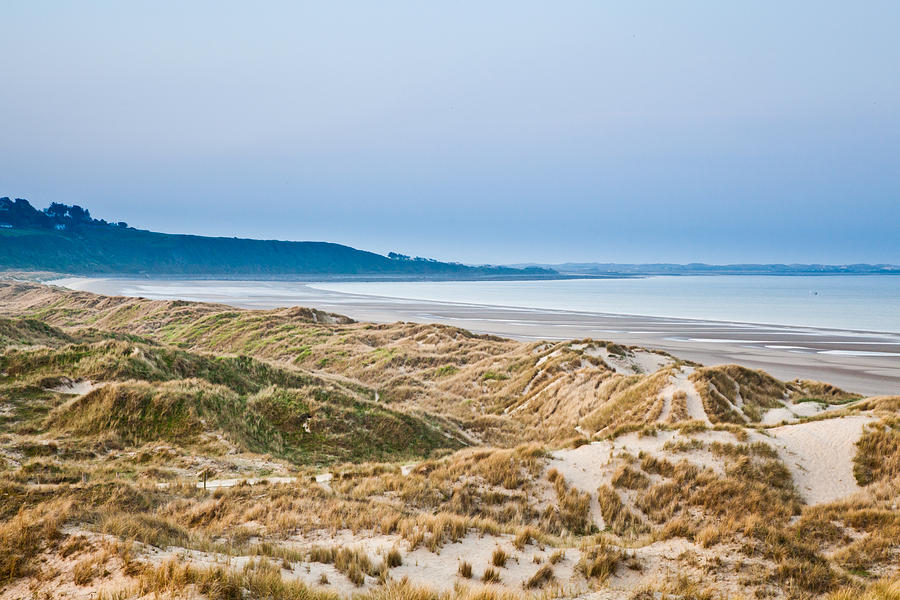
(344, 458)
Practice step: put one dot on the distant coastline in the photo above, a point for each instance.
(591, 270)
(68, 240)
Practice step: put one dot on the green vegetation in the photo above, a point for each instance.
(66, 239)
(160, 393)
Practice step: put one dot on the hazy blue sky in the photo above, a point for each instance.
(479, 131)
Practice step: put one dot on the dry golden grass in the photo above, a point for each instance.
(627, 477)
(465, 569)
(541, 577)
(491, 575)
(94, 462)
(883, 589)
(599, 561)
(574, 507)
(679, 410)
(557, 556)
(499, 557)
(878, 456)
(616, 516)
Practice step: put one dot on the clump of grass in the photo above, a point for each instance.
(322, 554)
(761, 449)
(494, 376)
(683, 445)
(446, 370)
(491, 575)
(708, 536)
(887, 588)
(677, 527)
(465, 569)
(258, 579)
(627, 477)
(356, 576)
(679, 411)
(524, 536)
(352, 562)
(811, 576)
(499, 557)
(145, 528)
(540, 578)
(574, 506)
(599, 562)
(84, 571)
(616, 516)
(393, 558)
(557, 556)
(443, 526)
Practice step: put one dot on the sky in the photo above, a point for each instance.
(499, 132)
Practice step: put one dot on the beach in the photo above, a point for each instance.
(860, 361)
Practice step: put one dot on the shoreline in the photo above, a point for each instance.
(588, 313)
(859, 361)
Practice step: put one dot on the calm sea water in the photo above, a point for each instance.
(870, 303)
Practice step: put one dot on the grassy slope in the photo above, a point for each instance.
(101, 249)
(498, 389)
(736, 394)
(182, 397)
(189, 383)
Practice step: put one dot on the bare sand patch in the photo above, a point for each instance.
(791, 413)
(820, 456)
(74, 387)
(632, 363)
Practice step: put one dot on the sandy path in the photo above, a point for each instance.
(820, 456)
(212, 484)
(76, 388)
(586, 468)
(323, 479)
(219, 483)
(679, 383)
(666, 394)
(694, 402)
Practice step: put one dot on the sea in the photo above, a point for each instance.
(842, 302)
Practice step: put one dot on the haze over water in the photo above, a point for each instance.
(836, 302)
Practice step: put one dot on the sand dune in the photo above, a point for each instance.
(820, 456)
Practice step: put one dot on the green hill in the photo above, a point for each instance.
(67, 239)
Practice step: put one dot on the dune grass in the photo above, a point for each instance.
(188, 389)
